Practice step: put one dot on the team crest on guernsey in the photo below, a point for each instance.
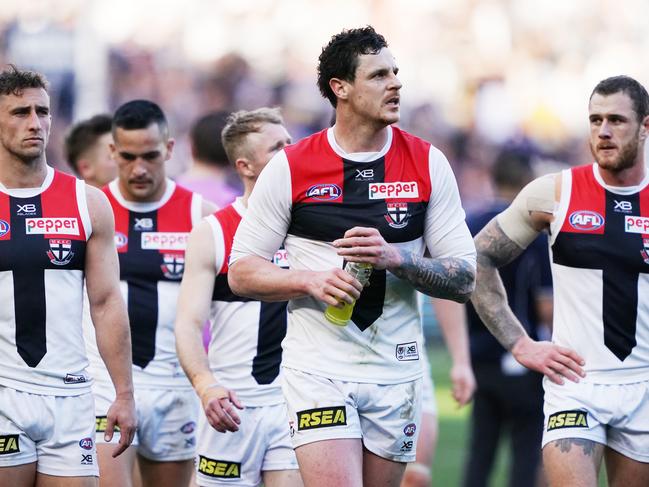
(397, 216)
(173, 266)
(645, 252)
(60, 252)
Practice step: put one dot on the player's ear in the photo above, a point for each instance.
(243, 167)
(644, 128)
(340, 88)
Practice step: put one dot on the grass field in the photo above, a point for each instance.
(453, 429)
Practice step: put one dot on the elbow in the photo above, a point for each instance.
(237, 280)
(466, 291)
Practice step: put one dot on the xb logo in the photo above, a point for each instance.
(364, 173)
(143, 224)
(622, 206)
(28, 209)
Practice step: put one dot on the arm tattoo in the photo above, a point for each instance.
(447, 278)
(494, 250)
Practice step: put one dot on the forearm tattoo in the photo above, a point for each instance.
(447, 278)
(495, 249)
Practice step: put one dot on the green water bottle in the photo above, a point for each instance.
(340, 316)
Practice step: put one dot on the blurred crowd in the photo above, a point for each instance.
(479, 75)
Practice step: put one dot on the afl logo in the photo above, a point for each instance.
(120, 240)
(4, 228)
(86, 443)
(324, 192)
(586, 221)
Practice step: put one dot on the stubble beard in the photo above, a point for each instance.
(625, 159)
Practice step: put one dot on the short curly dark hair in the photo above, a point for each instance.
(13, 81)
(339, 58)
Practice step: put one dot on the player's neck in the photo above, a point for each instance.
(15, 173)
(353, 135)
(631, 176)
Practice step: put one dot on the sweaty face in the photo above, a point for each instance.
(263, 145)
(25, 124)
(140, 155)
(374, 93)
(614, 131)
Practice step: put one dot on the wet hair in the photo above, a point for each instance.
(205, 138)
(13, 81)
(83, 136)
(240, 124)
(630, 87)
(140, 114)
(339, 58)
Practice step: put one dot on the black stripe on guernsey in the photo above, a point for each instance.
(29, 285)
(222, 291)
(272, 330)
(141, 270)
(370, 305)
(326, 221)
(617, 254)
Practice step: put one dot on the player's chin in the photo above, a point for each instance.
(391, 117)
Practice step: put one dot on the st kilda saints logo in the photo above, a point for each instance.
(645, 251)
(173, 266)
(60, 252)
(397, 215)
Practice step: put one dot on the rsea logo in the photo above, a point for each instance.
(324, 192)
(9, 444)
(321, 418)
(636, 224)
(398, 189)
(101, 423)
(51, 226)
(164, 240)
(568, 419)
(219, 468)
(585, 220)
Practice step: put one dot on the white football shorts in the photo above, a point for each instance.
(616, 415)
(386, 417)
(55, 431)
(261, 444)
(166, 421)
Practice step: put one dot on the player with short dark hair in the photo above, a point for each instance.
(87, 150)
(153, 218)
(362, 191)
(56, 233)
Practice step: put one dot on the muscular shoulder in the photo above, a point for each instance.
(201, 244)
(101, 213)
(532, 210)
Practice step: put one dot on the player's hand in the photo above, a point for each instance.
(550, 359)
(333, 287)
(463, 382)
(363, 244)
(121, 414)
(219, 404)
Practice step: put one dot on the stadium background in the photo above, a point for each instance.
(478, 75)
